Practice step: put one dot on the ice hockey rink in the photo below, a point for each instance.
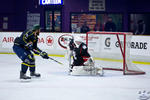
(56, 84)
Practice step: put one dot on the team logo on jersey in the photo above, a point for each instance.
(49, 40)
(64, 40)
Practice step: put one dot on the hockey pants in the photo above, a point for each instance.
(27, 58)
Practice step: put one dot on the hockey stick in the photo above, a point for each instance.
(55, 61)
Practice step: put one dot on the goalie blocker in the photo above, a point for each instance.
(83, 63)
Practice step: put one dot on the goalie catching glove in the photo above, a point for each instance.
(44, 55)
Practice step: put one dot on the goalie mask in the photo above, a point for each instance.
(77, 41)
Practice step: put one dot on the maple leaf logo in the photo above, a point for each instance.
(49, 40)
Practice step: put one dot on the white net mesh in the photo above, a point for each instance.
(113, 51)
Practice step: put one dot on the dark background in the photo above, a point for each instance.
(16, 11)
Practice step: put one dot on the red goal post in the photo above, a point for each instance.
(123, 39)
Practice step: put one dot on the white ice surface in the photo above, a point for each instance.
(56, 84)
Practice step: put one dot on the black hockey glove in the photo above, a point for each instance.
(44, 55)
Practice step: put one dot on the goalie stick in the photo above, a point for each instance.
(55, 61)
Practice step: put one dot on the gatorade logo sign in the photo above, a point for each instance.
(107, 42)
(134, 45)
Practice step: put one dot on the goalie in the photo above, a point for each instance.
(83, 63)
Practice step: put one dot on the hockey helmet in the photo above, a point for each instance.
(77, 40)
(36, 27)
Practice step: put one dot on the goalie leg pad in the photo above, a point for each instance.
(89, 62)
(85, 70)
(100, 71)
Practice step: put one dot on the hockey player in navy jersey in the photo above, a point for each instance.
(83, 63)
(24, 46)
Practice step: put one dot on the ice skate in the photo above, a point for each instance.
(33, 74)
(23, 76)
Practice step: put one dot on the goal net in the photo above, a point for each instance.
(113, 51)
